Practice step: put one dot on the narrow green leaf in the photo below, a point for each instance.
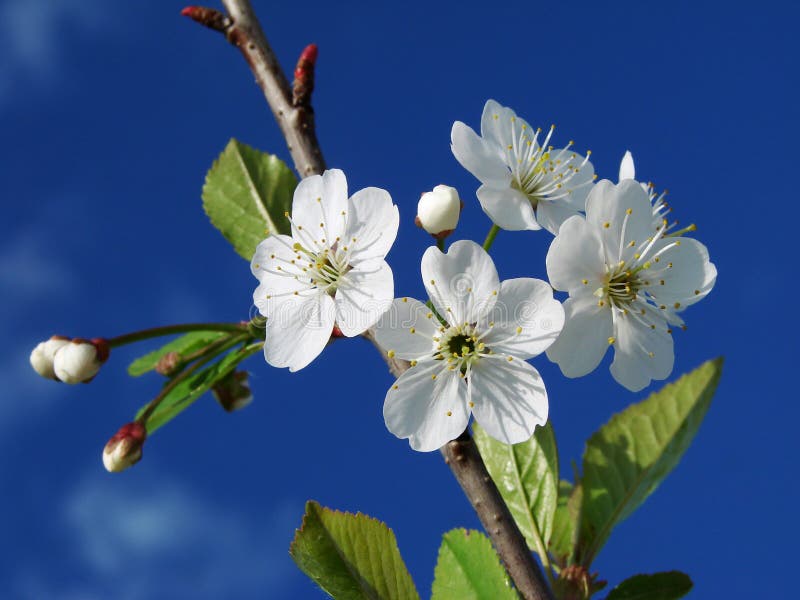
(629, 456)
(565, 523)
(670, 585)
(183, 395)
(468, 569)
(351, 557)
(185, 344)
(527, 476)
(247, 194)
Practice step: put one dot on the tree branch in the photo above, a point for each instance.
(241, 28)
(297, 125)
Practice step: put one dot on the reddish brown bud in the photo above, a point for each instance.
(209, 17)
(303, 84)
(233, 392)
(125, 447)
(168, 364)
(337, 333)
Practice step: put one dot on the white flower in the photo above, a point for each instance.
(526, 185)
(438, 210)
(77, 361)
(626, 286)
(330, 271)
(627, 170)
(43, 355)
(475, 361)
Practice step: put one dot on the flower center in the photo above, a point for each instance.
(537, 171)
(460, 346)
(622, 285)
(324, 268)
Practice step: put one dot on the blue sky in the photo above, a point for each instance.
(111, 114)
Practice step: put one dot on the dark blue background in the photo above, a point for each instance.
(110, 115)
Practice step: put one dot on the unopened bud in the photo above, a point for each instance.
(124, 449)
(233, 392)
(79, 360)
(438, 211)
(43, 355)
(168, 364)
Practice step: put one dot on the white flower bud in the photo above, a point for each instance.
(124, 449)
(43, 355)
(77, 361)
(438, 210)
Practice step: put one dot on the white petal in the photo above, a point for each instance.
(501, 126)
(393, 330)
(607, 212)
(297, 331)
(526, 318)
(690, 278)
(584, 340)
(551, 215)
(482, 159)
(626, 167)
(575, 255)
(509, 398)
(508, 208)
(320, 199)
(463, 284)
(279, 279)
(373, 222)
(577, 182)
(429, 412)
(362, 297)
(641, 353)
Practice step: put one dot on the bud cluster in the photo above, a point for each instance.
(67, 360)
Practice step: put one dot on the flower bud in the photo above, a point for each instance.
(168, 364)
(233, 392)
(43, 355)
(438, 211)
(124, 449)
(79, 360)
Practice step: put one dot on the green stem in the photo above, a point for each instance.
(228, 343)
(440, 244)
(144, 334)
(487, 243)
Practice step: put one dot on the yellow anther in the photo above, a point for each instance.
(629, 211)
(394, 387)
(601, 303)
(585, 281)
(606, 224)
(405, 299)
(433, 376)
(412, 330)
(413, 363)
(611, 340)
(449, 413)
(519, 330)
(651, 354)
(510, 358)
(471, 404)
(697, 292)
(677, 305)
(390, 354)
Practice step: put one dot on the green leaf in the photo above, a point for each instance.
(185, 344)
(247, 194)
(527, 476)
(351, 556)
(565, 523)
(670, 585)
(629, 456)
(190, 389)
(468, 569)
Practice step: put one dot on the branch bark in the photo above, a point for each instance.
(462, 455)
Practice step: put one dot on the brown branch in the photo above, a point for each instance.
(297, 126)
(296, 122)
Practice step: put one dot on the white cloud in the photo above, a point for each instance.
(134, 542)
(32, 34)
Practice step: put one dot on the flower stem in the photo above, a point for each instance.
(440, 244)
(144, 334)
(487, 243)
